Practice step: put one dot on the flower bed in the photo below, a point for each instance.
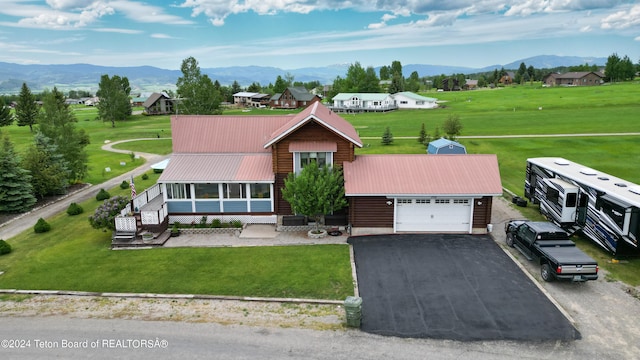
(209, 230)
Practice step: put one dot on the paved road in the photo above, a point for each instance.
(27, 220)
(123, 339)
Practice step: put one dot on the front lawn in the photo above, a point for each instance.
(74, 256)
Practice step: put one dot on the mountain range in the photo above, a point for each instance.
(149, 78)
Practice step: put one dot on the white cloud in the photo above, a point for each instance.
(622, 19)
(162, 36)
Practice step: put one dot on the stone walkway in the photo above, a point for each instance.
(252, 235)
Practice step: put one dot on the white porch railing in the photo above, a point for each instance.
(146, 196)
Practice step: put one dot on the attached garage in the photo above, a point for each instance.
(422, 193)
(433, 215)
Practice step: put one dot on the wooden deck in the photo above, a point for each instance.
(158, 240)
(352, 110)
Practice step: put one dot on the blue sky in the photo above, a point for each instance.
(293, 34)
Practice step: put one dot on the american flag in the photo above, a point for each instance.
(133, 188)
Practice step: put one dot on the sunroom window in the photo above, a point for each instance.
(178, 191)
(234, 191)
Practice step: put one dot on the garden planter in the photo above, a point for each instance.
(312, 234)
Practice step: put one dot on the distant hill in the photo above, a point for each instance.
(149, 78)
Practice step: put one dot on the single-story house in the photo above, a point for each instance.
(234, 167)
(363, 102)
(577, 78)
(470, 84)
(445, 146)
(409, 100)
(159, 104)
(293, 97)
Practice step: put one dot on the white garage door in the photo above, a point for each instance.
(433, 215)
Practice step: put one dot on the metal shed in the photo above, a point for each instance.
(445, 146)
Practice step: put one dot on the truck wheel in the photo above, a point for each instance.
(546, 273)
(510, 239)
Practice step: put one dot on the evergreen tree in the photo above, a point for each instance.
(6, 117)
(57, 122)
(387, 137)
(197, 93)
(16, 193)
(26, 108)
(49, 173)
(114, 101)
(422, 138)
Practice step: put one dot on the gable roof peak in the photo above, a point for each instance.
(324, 116)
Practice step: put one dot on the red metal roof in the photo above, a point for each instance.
(223, 133)
(218, 167)
(308, 146)
(324, 116)
(423, 175)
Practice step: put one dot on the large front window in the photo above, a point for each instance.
(302, 159)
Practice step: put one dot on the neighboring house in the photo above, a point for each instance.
(450, 84)
(580, 78)
(260, 100)
(355, 102)
(508, 78)
(72, 101)
(159, 104)
(409, 100)
(234, 167)
(471, 84)
(445, 146)
(293, 97)
(93, 101)
(243, 98)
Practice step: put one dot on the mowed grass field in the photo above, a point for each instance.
(73, 256)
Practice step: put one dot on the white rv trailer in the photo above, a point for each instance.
(604, 208)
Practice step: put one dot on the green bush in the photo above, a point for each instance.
(216, 223)
(103, 195)
(74, 209)
(145, 177)
(236, 224)
(123, 185)
(5, 248)
(41, 226)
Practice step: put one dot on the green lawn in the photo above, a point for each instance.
(73, 256)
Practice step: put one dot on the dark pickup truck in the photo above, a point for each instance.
(550, 246)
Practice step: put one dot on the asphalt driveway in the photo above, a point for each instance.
(458, 287)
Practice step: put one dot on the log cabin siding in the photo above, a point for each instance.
(482, 212)
(370, 212)
(312, 131)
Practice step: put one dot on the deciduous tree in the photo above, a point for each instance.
(57, 122)
(198, 95)
(114, 103)
(316, 191)
(452, 127)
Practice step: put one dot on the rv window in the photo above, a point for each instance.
(552, 195)
(571, 200)
(634, 224)
(613, 210)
